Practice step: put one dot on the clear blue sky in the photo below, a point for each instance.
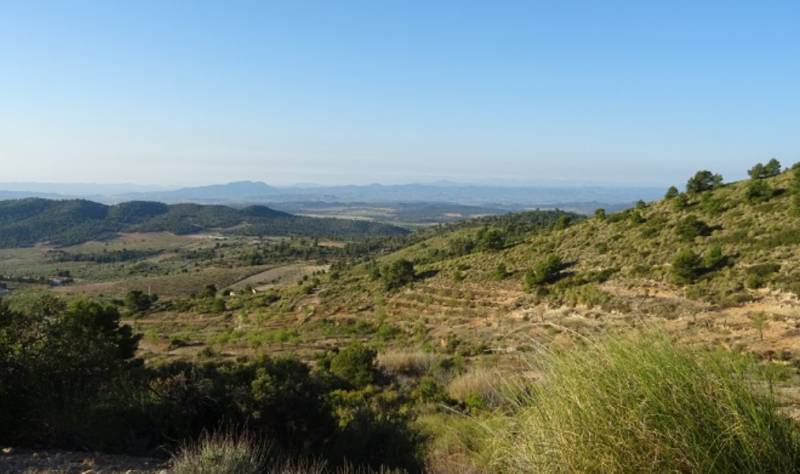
(188, 92)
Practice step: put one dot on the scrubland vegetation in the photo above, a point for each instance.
(661, 338)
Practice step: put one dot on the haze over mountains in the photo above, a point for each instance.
(252, 192)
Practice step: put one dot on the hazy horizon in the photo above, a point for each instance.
(20, 185)
(174, 94)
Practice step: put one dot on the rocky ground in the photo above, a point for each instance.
(29, 461)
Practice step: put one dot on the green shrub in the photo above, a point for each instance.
(636, 218)
(763, 269)
(641, 404)
(501, 272)
(374, 271)
(714, 259)
(691, 227)
(491, 240)
(355, 364)
(680, 202)
(428, 391)
(687, 266)
(778, 238)
(712, 205)
(137, 301)
(210, 291)
(461, 246)
(562, 222)
(218, 305)
(548, 270)
(399, 273)
(795, 188)
(758, 275)
(287, 403)
(759, 191)
(375, 428)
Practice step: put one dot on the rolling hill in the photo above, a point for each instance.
(704, 264)
(26, 222)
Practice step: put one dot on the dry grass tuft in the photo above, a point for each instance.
(479, 388)
(642, 404)
(414, 363)
(228, 452)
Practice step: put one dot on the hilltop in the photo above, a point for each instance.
(26, 222)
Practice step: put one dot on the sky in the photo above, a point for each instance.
(172, 92)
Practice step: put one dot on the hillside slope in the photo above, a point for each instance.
(26, 222)
(711, 265)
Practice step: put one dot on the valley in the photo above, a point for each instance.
(451, 309)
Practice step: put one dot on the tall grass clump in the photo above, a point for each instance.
(410, 363)
(641, 404)
(231, 451)
(225, 451)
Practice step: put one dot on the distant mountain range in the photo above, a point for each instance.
(251, 192)
(25, 222)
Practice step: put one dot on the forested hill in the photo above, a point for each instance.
(26, 222)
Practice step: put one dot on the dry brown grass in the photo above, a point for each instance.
(407, 363)
(479, 385)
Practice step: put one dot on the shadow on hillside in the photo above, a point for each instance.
(564, 270)
(426, 274)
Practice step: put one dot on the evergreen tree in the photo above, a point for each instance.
(672, 193)
(703, 180)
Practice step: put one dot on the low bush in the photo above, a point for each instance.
(691, 227)
(547, 270)
(759, 275)
(687, 266)
(491, 239)
(354, 365)
(758, 191)
(399, 273)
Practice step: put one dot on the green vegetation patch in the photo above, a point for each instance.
(642, 404)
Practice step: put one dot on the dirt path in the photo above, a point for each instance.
(68, 462)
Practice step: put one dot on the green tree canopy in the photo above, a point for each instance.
(672, 192)
(600, 214)
(491, 239)
(761, 171)
(398, 273)
(703, 180)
